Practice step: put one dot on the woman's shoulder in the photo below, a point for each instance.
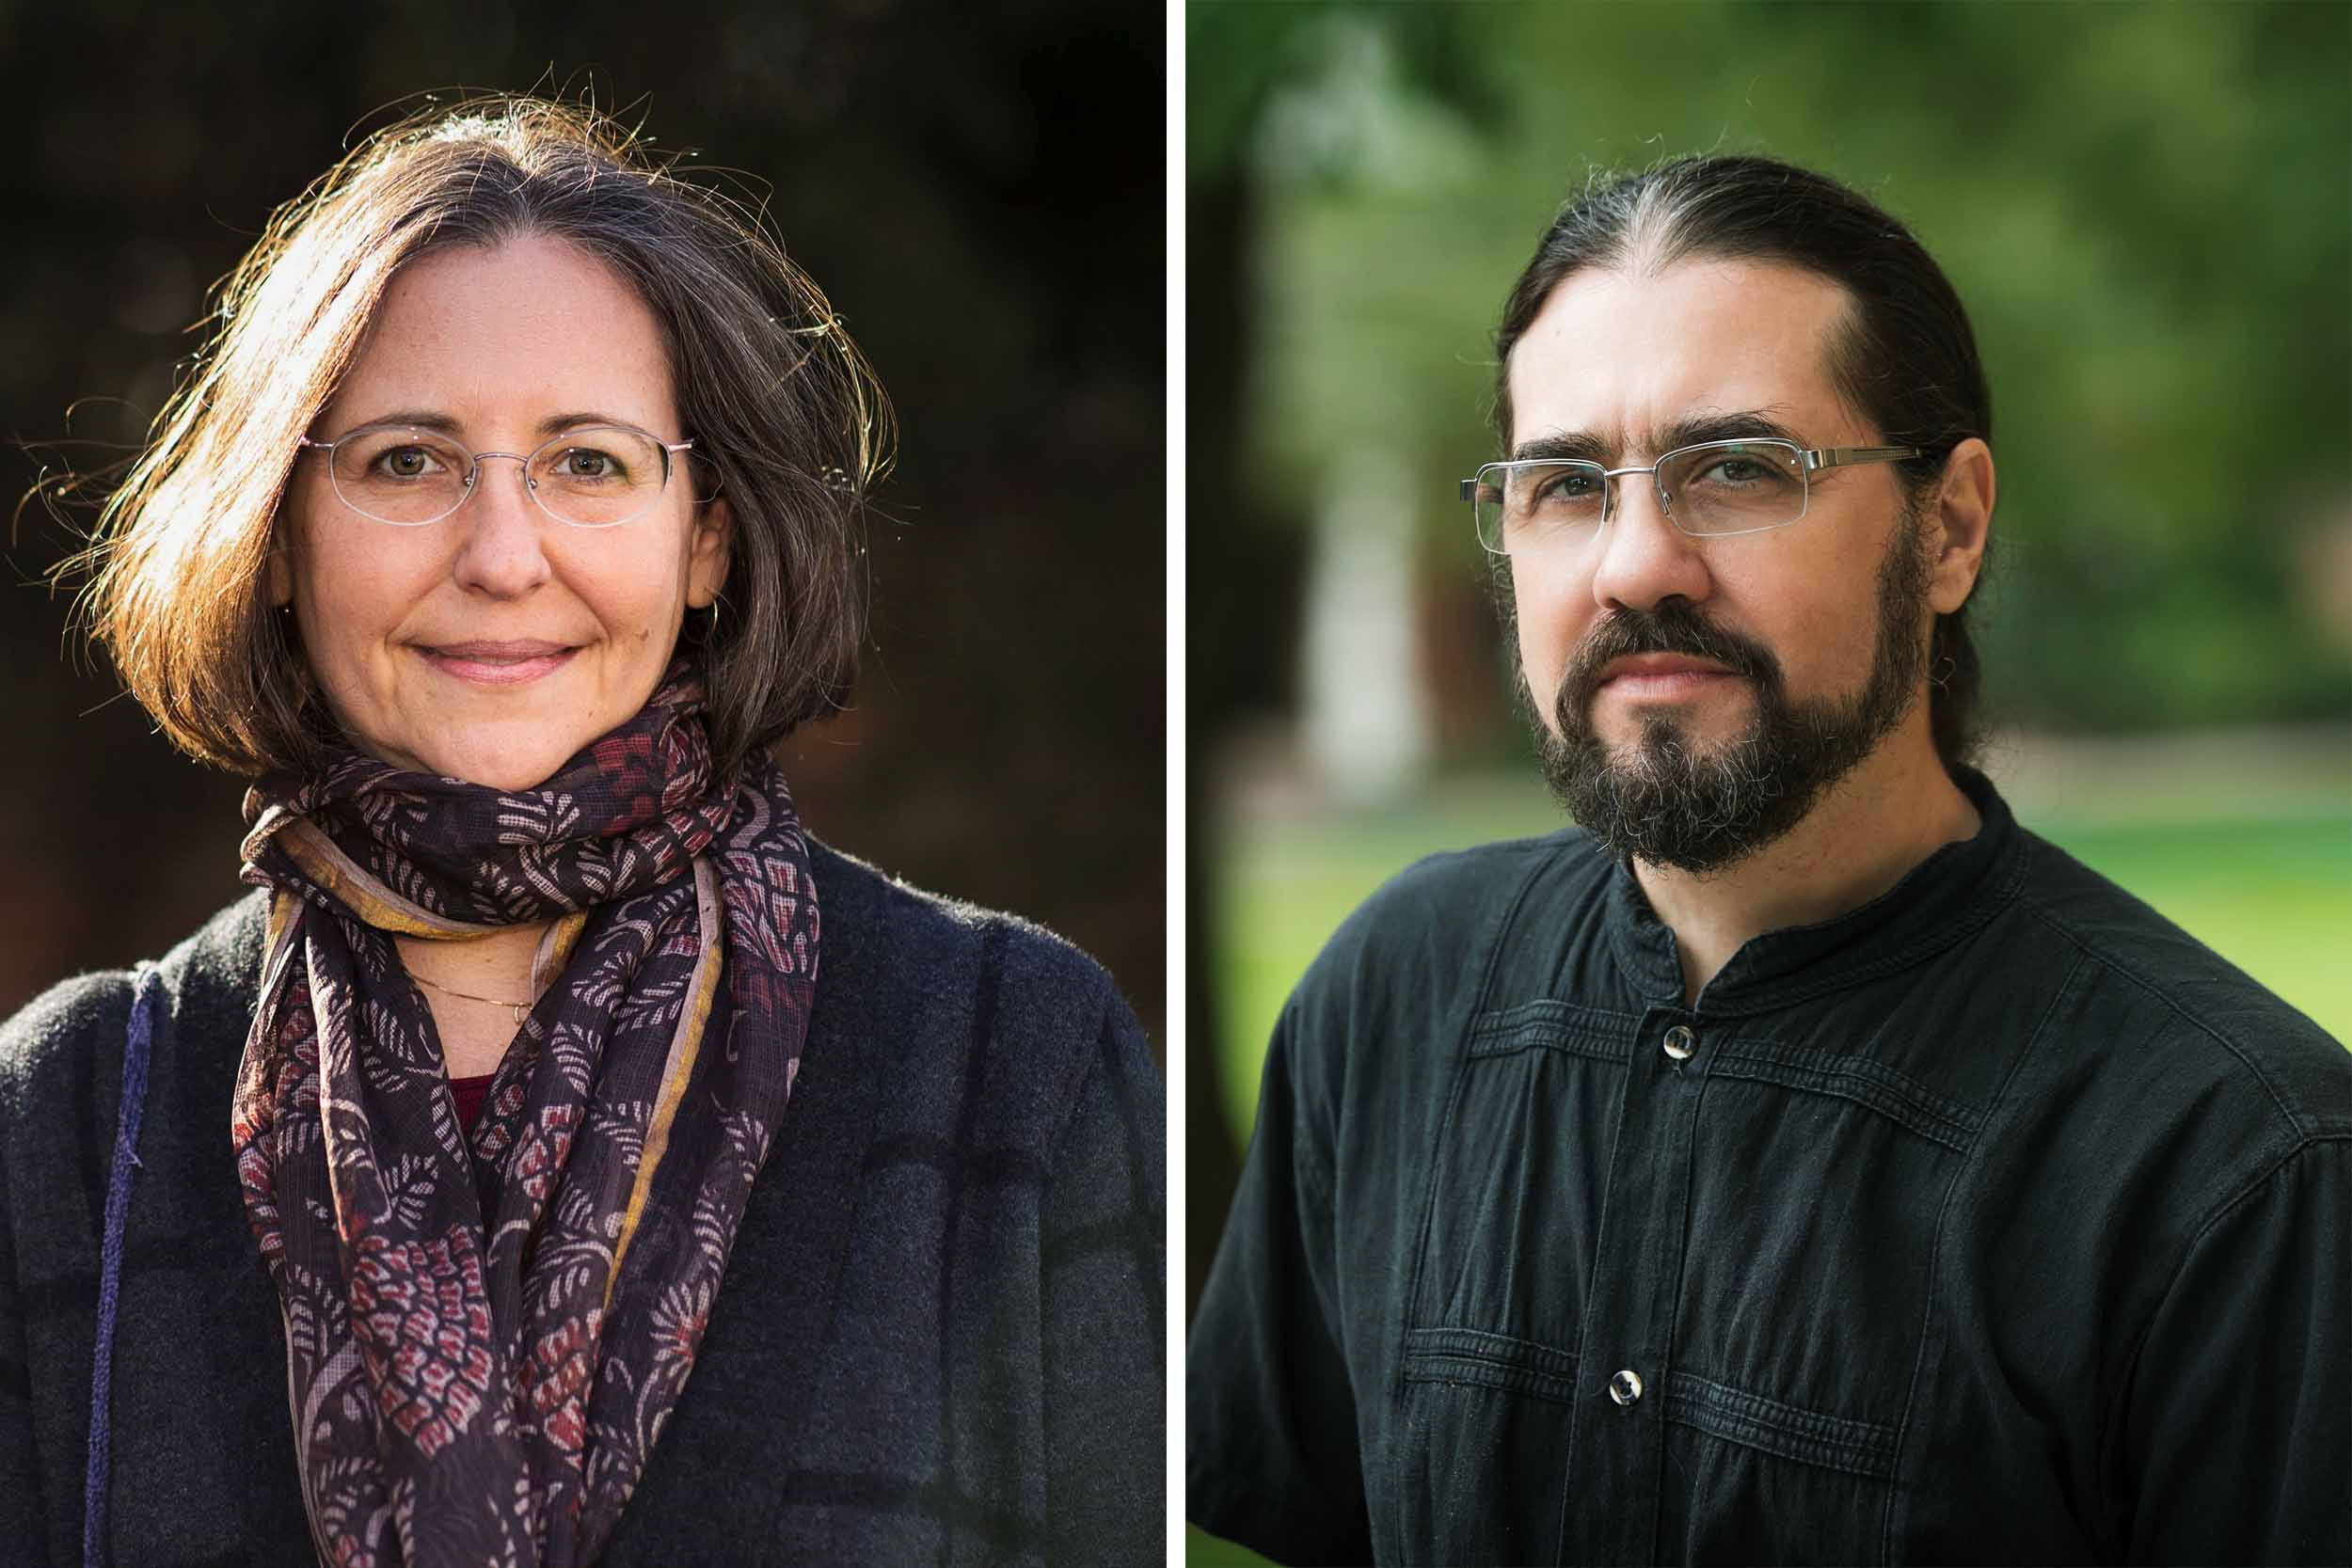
(897, 944)
(209, 973)
(940, 997)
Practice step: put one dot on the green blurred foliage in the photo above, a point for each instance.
(2147, 208)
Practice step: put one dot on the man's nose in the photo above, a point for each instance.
(1645, 559)
(500, 531)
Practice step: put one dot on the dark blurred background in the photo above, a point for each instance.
(979, 189)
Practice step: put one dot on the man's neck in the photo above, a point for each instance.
(1894, 811)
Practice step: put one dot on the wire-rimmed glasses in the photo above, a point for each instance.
(593, 476)
(1708, 490)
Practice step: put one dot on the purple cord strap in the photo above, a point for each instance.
(145, 985)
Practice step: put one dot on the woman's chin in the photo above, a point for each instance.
(506, 782)
(509, 750)
(510, 770)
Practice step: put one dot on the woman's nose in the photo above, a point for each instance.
(500, 531)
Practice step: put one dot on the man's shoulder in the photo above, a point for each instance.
(1444, 891)
(1428, 930)
(2147, 988)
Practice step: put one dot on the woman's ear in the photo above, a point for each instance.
(281, 575)
(709, 553)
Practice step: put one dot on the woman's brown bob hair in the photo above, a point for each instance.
(787, 419)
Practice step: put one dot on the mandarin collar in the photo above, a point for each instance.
(1939, 901)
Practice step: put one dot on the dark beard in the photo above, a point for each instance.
(1672, 805)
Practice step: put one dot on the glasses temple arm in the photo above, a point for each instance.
(1838, 457)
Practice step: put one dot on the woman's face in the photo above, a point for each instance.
(493, 645)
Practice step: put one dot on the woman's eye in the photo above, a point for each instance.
(407, 462)
(588, 463)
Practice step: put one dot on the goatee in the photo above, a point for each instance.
(1673, 801)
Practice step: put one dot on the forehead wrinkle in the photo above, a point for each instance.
(423, 346)
(1652, 258)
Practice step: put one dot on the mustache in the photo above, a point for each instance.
(1673, 627)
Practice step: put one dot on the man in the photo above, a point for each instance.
(1800, 1160)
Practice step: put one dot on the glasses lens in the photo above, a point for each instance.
(398, 476)
(599, 478)
(1735, 487)
(1528, 506)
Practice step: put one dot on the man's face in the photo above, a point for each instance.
(1798, 649)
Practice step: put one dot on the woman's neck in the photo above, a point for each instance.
(473, 987)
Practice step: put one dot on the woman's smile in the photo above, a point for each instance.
(498, 663)
(412, 631)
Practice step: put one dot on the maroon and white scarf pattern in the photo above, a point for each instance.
(486, 1332)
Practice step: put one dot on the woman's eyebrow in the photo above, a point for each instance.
(449, 424)
(555, 423)
(420, 418)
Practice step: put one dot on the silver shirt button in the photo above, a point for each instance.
(1679, 1043)
(1625, 1386)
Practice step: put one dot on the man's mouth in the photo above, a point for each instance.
(1681, 683)
(1662, 676)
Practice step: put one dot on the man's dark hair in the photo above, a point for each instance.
(1905, 359)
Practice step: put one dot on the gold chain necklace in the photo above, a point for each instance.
(522, 1009)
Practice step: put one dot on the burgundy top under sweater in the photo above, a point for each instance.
(469, 1092)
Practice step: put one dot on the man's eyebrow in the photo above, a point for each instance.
(449, 424)
(1564, 447)
(1746, 424)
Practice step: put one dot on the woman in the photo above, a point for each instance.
(560, 1157)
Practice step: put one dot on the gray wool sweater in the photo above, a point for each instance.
(939, 1339)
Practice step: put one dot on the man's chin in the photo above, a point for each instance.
(1698, 802)
(1633, 745)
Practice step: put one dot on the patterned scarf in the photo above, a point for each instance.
(486, 1332)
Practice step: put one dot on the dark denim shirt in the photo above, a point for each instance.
(1995, 1221)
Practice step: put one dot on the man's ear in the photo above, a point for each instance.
(1959, 524)
(711, 551)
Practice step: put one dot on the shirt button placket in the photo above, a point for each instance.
(1617, 1445)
